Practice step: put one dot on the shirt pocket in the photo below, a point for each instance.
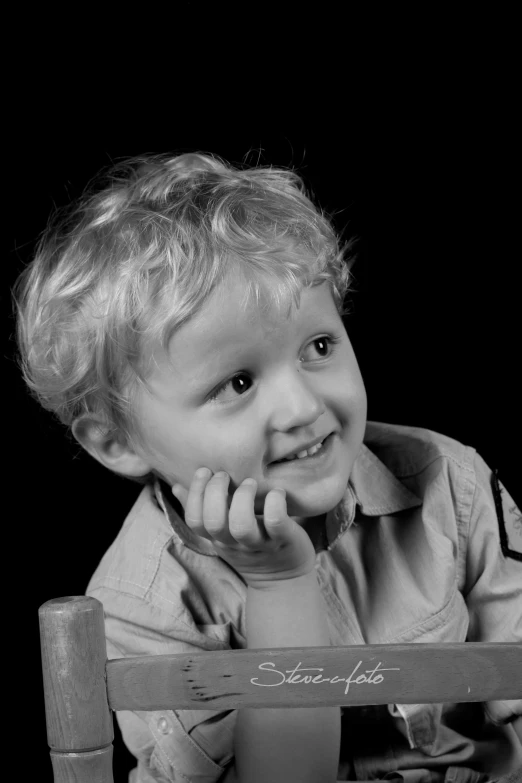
(179, 756)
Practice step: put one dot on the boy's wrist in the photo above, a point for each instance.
(287, 613)
(283, 582)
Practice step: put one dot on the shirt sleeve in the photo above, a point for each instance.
(494, 573)
(171, 746)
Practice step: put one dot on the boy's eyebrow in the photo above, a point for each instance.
(209, 372)
(220, 352)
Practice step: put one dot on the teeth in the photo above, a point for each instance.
(303, 454)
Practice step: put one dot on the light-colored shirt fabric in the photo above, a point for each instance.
(420, 549)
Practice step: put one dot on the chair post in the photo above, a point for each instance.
(79, 722)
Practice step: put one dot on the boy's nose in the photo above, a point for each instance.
(296, 404)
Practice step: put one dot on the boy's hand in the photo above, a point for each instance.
(262, 549)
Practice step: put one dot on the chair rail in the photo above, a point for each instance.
(317, 676)
(81, 686)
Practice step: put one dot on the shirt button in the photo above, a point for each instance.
(163, 726)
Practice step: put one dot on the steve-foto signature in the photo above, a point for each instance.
(273, 677)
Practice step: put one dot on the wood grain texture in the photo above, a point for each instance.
(79, 721)
(362, 674)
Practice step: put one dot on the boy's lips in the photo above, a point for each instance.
(303, 447)
(319, 459)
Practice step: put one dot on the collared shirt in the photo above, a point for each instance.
(424, 547)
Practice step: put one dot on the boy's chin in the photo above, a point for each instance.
(316, 506)
(313, 501)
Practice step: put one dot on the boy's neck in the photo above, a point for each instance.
(316, 529)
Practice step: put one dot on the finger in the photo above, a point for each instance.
(276, 520)
(215, 509)
(181, 494)
(194, 503)
(242, 522)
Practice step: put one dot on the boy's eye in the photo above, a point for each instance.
(240, 382)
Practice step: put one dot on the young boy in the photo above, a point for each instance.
(186, 322)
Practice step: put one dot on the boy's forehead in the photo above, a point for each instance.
(230, 316)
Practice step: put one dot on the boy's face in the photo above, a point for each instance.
(288, 386)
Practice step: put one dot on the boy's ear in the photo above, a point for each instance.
(96, 438)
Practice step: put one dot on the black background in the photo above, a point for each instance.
(424, 172)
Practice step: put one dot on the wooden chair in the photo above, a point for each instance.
(81, 686)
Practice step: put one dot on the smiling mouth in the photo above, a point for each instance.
(309, 458)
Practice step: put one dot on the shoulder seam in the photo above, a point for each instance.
(442, 455)
(464, 558)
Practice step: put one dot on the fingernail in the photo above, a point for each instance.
(203, 473)
(175, 489)
(221, 474)
(249, 481)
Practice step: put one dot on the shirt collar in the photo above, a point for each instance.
(377, 491)
(182, 533)
(372, 487)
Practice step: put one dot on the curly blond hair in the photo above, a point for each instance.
(139, 254)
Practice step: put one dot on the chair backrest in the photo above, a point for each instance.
(81, 686)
